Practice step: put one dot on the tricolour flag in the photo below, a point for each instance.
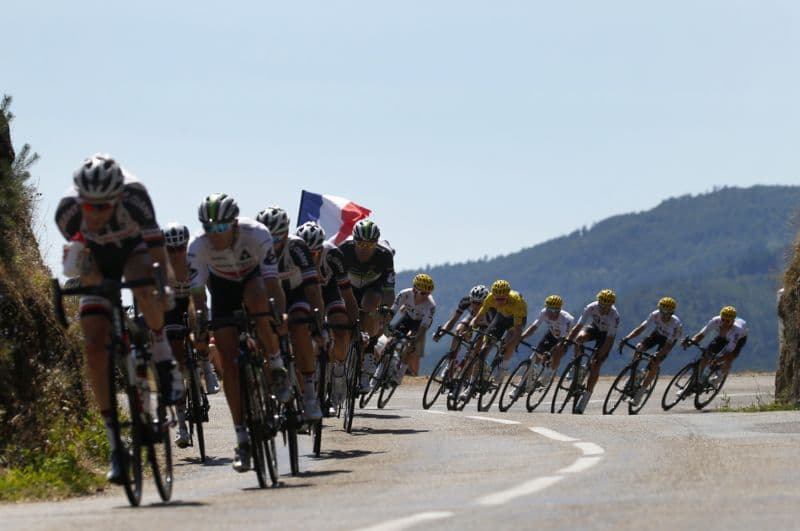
(335, 215)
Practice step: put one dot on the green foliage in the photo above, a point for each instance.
(706, 251)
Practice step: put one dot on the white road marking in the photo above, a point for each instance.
(409, 521)
(581, 464)
(589, 448)
(433, 411)
(550, 434)
(529, 487)
(492, 419)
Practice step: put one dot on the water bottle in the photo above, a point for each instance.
(74, 256)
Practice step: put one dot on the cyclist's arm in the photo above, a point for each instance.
(449, 324)
(635, 332)
(335, 259)
(533, 327)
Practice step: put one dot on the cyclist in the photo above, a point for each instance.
(512, 312)
(300, 281)
(234, 258)
(416, 307)
(731, 336)
(558, 323)
(176, 239)
(108, 218)
(666, 329)
(470, 303)
(598, 322)
(370, 266)
(341, 308)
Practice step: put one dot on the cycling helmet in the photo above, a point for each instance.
(667, 304)
(606, 297)
(423, 282)
(275, 219)
(366, 230)
(312, 234)
(554, 302)
(218, 208)
(99, 178)
(728, 313)
(478, 293)
(501, 288)
(176, 235)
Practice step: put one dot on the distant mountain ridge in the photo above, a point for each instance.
(728, 246)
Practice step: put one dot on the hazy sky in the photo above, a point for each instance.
(469, 128)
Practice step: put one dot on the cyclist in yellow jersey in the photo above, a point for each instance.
(512, 312)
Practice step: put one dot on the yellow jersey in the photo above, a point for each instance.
(515, 307)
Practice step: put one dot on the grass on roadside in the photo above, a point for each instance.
(761, 404)
(69, 464)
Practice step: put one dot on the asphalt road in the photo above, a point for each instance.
(404, 467)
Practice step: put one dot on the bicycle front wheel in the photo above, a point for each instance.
(353, 368)
(159, 444)
(196, 403)
(679, 387)
(515, 386)
(563, 391)
(617, 391)
(129, 431)
(437, 381)
(633, 410)
(491, 382)
(710, 389)
(536, 396)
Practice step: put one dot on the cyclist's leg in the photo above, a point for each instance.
(300, 333)
(603, 348)
(727, 359)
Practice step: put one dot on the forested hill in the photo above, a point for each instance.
(724, 247)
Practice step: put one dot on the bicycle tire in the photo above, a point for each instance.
(159, 442)
(387, 391)
(253, 410)
(517, 381)
(680, 383)
(294, 413)
(128, 434)
(377, 380)
(709, 392)
(489, 388)
(536, 396)
(441, 370)
(322, 377)
(633, 410)
(353, 369)
(195, 409)
(564, 387)
(466, 384)
(618, 390)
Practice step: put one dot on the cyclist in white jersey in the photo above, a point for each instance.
(234, 258)
(598, 322)
(559, 322)
(416, 308)
(471, 304)
(730, 335)
(667, 328)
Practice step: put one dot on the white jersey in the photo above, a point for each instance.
(605, 323)
(742, 324)
(251, 249)
(672, 329)
(732, 335)
(419, 312)
(558, 327)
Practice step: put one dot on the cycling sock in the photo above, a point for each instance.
(241, 434)
(276, 361)
(108, 421)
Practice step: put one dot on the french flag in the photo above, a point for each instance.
(336, 215)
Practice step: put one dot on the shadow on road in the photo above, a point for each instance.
(346, 454)
(210, 461)
(378, 416)
(378, 431)
(163, 505)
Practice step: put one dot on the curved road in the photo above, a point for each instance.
(404, 467)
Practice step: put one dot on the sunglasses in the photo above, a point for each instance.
(421, 292)
(665, 312)
(365, 244)
(216, 227)
(104, 206)
(553, 310)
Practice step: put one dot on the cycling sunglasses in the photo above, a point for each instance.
(103, 206)
(216, 227)
(365, 244)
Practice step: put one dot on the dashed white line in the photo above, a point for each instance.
(529, 487)
(492, 419)
(550, 434)
(409, 521)
(589, 448)
(434, 411)
(581, 464)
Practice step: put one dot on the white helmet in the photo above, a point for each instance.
(478, 293)
(217, 208)
(99, 178)
(312, 234)
(176, 235)
(275, 219)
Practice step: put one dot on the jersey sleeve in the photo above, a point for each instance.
(522, 312)
(137, 202)
(463, 304)
(198, 264)
(585, 315)
(678, 330)
(709, 325)
(68, 217)
(539, 319)
(335, 260)
(427, 319)
(488, 302)
(300, 254)
(388, 272)
(613, 324)
(267, 260)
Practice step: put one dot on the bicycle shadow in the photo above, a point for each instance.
(378, 415)
(343, 454)
(166, 504)
(210, 461)
(381, 431)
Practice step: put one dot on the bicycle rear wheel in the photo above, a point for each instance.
(564, 389)
(709, 391)
(254, 408)
(353, 369)
(633, 410)
(293, 422)
(322, 378)
(195, 412)
(490, 383)
(536, 396)
(129, 434)
(159, 442)
(679, 387)
(378, 378)
(387, 391)
(467, 383)
(515, 386)
(437, 381)
(618, 390)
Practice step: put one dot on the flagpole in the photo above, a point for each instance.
(299, 210)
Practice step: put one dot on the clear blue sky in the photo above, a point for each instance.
(470, 128)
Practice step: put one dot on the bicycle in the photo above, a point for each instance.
(259, 406)
(383, 378)
(148, 423)
(443, 377)
(352, 377)
(630, 381)
(573, 380)
(478, 377)
(197, 405)
(526, 379)
(688, 381)
(291, 411)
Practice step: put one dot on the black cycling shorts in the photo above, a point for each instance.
(500, 325)
(594, 334)
(654, 339)
(174, 319)
(547, 342)
(332, 297)
(226, 295)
